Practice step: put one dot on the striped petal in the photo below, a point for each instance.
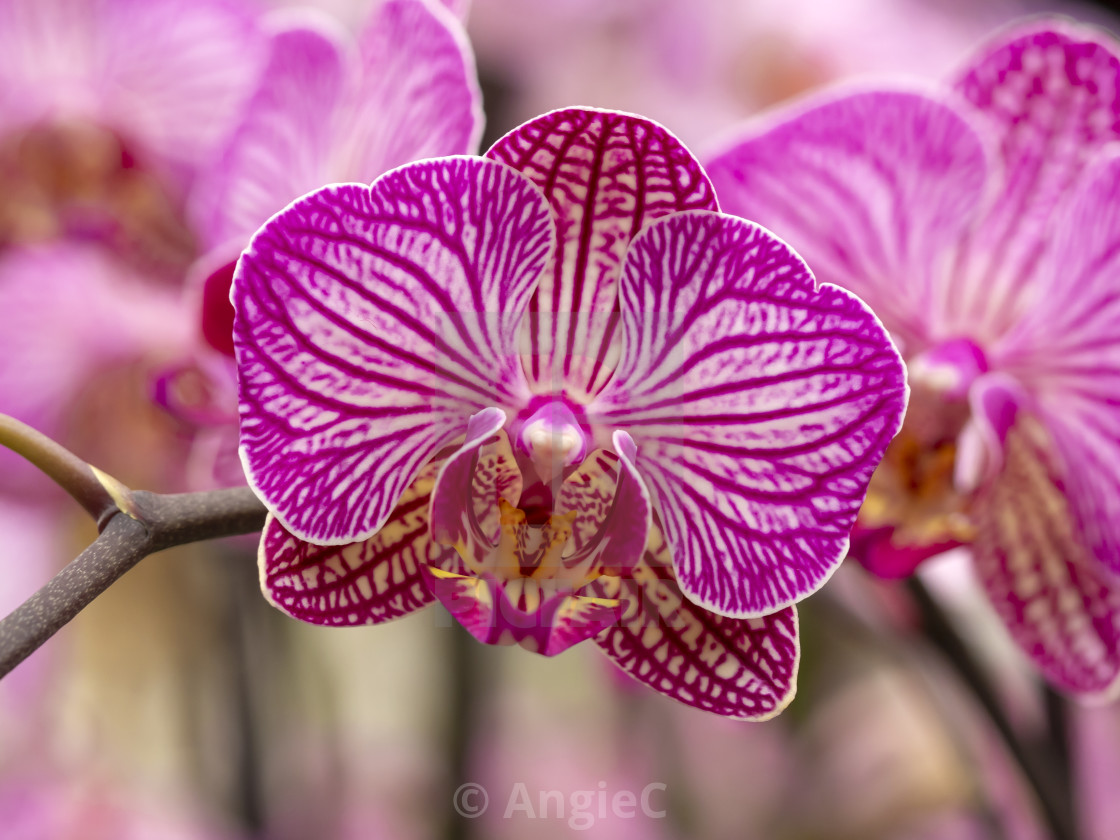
(743, 668)
(326, 112)
(1050, 93)
(282, 147)
(760, 407)
(606, 175)
(371, 323)
(874, 190)
(1067, 349)
(367, 582)
(1060, 606)
(417, 95)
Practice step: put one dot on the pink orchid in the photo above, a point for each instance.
(980, 221)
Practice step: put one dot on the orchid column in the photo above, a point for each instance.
(557, 390)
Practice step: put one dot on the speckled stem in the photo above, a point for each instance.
(160, 521)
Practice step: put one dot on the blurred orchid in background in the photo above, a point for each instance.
(980, 221)
(328, 110)
(614, 350)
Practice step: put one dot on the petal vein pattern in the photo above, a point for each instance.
(743, 668)
(367, 582)
(371, 324)
(1060, 606)
(606, 175)
(1051, 95)
(759, 405)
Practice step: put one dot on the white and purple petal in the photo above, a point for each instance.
(1049, 94)
(606, 176)
(1066, 350)
(1058, 602)
(371, 323)
(742, 668)
(329, 111)
(759, 404)
(368, 582)
(874, 189)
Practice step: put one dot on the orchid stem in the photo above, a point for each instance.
(132, 525)
(160, 521)
(63, 467)
(1047, 778)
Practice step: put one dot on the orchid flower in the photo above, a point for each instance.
(168, 76)
(329, 109)
(981, 223)
(558, 391)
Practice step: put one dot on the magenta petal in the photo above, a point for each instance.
(1050, 93)
(874, 190)
(743, 668)
(1068, 349)
(416, 97)
(359, 583)
(371, 324)
(606, 175)
(281, 149)
(329, 112)
(1060, 606)
(759, 405)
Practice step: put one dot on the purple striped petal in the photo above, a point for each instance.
(366, 582)
(1067, 349)
(170, 75)
(606, 175)
(743, 668)
(874, 190)
(327, 113)
(418, 94)
(760, 407)
(1050, 92)
(282, 148)
(371, 324)
(1060, 606)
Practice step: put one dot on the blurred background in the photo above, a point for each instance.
(180, 705)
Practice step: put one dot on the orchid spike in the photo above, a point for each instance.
(558, 391)
(980, 222)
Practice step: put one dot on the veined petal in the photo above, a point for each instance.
(606, 175)
(1050, 93)
(873, 189)
(371, 323)
(760, 407)
(328, 111)
(743, 668)
(282, 147)
(367, 582)
(1067, 350)
(1058, 603)
(417, 95)
(170, 75)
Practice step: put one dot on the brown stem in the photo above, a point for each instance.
(93, 490)
(161, 521)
